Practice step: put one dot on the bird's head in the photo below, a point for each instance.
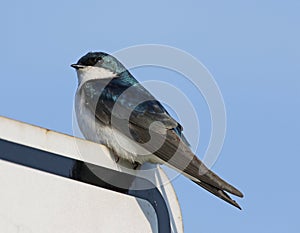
(97, 65)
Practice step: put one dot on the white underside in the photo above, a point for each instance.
(94, 130)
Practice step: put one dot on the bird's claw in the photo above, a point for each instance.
(136, 165)
(116, 157)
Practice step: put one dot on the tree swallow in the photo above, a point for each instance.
(114, 109)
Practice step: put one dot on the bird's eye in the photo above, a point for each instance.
(98, 59)
(94, 60)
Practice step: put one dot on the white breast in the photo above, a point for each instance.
(94, 130)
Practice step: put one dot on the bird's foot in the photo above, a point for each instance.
(136, 165)
(116, 157)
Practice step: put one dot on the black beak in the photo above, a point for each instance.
(76, 66)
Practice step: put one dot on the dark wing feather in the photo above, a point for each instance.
(116, 98)
(144, 109)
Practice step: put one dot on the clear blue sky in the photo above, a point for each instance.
(253, 51)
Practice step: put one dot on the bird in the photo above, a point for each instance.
(112, 108)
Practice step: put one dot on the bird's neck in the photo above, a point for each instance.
(93, 73)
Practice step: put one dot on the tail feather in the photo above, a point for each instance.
(219, 193)
(198, 170)
(179, 156)
(211, 182)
